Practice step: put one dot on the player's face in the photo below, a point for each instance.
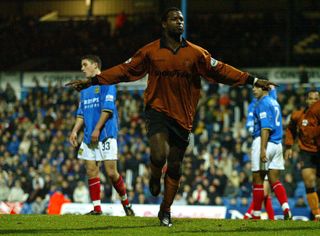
(312, 98)
(89, 68)
(257, 92)
(174, 23)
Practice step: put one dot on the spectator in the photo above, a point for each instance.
(16, 193)
(81, 193)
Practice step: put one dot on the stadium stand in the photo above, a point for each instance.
(30, 44)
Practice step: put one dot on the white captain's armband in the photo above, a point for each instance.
(213, 62)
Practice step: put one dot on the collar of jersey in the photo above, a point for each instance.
(163, 43)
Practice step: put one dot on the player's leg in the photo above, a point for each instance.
(178, 141)
(172, 177)
(158, 134)
(309, 178)
(87, 154)
(248, 214)
(258, 193)
(258, 178)
(275, 165)
(267, 202)
(119, 185)
(310, 164)
(267, 199)
(92, 168)
(280, 192)
(159, 149)
(108, 153)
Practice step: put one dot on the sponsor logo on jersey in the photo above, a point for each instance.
(173, 73)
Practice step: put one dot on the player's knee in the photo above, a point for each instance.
(174, 174)
(174, 171)
(310, 190)
(309, 181)
(92, 173)
(158, 160)
(113, 174)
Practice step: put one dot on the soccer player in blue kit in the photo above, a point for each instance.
(98, 114)
(267, 152)
(250, 127)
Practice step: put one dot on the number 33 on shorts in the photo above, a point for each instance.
(109, 149)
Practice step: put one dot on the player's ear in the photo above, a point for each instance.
(164, 24)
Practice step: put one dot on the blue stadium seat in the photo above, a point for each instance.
(300, 190)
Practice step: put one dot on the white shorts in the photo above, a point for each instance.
(274, 155)
(107, 150)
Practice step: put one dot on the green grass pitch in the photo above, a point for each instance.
(106, 225)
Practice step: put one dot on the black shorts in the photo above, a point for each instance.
(158, 122)
(310, 160)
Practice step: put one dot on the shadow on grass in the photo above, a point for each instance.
(46, 231)
(174, 230)
(246, 230)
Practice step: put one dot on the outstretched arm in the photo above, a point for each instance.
(133, 69)
(217, 71)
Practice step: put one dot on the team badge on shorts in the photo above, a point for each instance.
(80, 151)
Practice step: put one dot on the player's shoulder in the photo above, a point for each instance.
(297, 114)
(315, 107)
(108, 88)
(197, 48)
(151, 46)
(273, 101)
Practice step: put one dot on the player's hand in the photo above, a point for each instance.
(73, 139)
(79, 84)
(263, 156)
(265, 84)
(288, 154)
(95, 136)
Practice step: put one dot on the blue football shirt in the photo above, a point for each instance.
(267, 115)
(93, 101)
(251, 107)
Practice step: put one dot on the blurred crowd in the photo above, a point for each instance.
(30, 44)
(36, 159)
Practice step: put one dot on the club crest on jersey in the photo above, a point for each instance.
(305, 122)
(97, 89)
